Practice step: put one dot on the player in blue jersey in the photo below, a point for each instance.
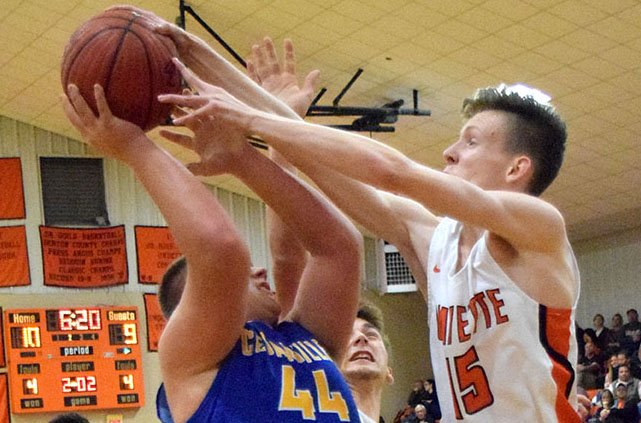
(232, 351)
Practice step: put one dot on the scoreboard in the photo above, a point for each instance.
(78, 358)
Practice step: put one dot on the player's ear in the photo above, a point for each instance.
(389, 378)
(520, 169)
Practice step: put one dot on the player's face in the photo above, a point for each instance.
(366, 356)
(479, 155)
(262, 303)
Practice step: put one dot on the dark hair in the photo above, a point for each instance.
(535, 129)
(609, 392)
(632, 310)
(374, 316)
(591, 333)
(172, 285)
(69, 418)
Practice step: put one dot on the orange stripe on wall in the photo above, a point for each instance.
(558, 324)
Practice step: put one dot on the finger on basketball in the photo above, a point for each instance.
(70, 111)
(101, 101)
(79, 103)
(193, 101)
(190, 77)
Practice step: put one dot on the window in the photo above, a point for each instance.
(73, 191)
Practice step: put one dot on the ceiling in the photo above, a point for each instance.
(586, 54)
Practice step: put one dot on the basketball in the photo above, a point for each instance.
(119, 50)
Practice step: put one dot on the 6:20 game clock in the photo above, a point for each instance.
(76, 358)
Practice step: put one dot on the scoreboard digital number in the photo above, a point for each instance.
(79, 358)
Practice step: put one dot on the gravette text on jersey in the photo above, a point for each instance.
(459, 322)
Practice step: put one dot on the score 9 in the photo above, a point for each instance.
(123, 334)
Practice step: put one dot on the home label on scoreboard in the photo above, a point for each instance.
(73, 358)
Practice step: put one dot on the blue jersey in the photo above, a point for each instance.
(277, 374)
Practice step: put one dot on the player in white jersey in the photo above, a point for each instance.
(509, 150)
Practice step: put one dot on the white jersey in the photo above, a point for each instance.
(497, 355)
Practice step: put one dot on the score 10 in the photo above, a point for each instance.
(29, 336)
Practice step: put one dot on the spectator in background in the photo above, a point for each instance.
(417, 395)
(605, 403)
(430, 400)
(601, 331)
(616, 333)
(631, 384)
(420, 416)
(589, 335)
(624, 409)
(69, 418)
(580, 342)
(590, 370)
(632, 331)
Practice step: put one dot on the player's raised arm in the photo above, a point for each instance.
(327, 297)
(208, 320)
(388, 216)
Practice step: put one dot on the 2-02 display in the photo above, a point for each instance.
(73, 359)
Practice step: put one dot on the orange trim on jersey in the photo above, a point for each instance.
(555, 325)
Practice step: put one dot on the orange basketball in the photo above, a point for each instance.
(119, 50)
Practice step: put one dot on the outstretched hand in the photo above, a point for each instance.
(279, 79)
(112, 136)
(218, 121)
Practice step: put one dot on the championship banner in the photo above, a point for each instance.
(155, 321)
(84, 258)
(11, 193)
(155, 250)
(4, 399)
(14, 260)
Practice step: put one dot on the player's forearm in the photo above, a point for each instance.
(211, 67)
(184, 202)
(356, 156)
(317, 224)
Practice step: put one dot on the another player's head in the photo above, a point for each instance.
(69, 418)
(367, 356)
(522, 120)
(261, 301)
